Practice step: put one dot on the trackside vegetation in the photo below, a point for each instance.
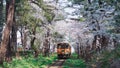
(73, 62)
(31, 62)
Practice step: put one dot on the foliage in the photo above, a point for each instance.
(76, 1)
(73, 62)
(57, 35)
(105, 59)
(30, 62)
(22, 12)
(59, 17)
(49, 16)
(47, 10)
(82, 19)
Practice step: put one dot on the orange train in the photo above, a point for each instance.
(63, 50)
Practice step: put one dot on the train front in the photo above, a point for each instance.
(63, 50)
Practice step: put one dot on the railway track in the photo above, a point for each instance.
(57, 64)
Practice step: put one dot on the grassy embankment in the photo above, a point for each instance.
(30, 62)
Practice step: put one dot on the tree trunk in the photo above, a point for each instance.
(46, 48)
(36, 52)
(34, 48)
(14, 38)
(79, 47)
(100, 3)
(89, 1)
(23, 37)
(47, 43)
(4, 49)
(78, 51)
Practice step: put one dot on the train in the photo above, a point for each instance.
(63, 50)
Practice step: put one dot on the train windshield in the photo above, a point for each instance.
(63, 46)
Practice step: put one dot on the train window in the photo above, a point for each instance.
(63, 45)
(59, 46)
(66, 46)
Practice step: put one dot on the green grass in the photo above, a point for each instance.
(30, 62)
(73, 62)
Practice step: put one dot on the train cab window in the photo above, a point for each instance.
(66, 46)
(59, 46)
(63, 45)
